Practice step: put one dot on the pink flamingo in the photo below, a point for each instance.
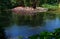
(28, 10)
(23, 10)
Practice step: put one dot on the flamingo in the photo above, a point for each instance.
(27, 10)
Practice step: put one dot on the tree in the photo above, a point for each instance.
(34, 3)
(6, 4)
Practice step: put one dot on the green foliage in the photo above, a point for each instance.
(59, 5)
(6, 4)
(11, 3)
(34, 37)
(56, 33)
(47, 35)
(50, 6)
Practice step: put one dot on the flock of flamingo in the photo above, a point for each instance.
(28, 10)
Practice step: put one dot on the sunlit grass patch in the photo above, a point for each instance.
(50, 6)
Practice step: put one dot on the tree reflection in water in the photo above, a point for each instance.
(50, 15)
(5, 18)
(34, 20)
(2, 33)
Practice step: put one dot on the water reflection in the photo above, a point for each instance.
(4, 22)
(2, 33)
(34, 20)
(52, 24)
(23, 31)
(5, 18)
(15, 26)
(50, 16)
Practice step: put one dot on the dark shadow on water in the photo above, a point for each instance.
(2, 33)
(50, 16)
(5, 20)
(34, 20)
(39, 19)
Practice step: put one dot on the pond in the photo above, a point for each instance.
(16, 27)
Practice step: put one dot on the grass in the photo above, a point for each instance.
(52, 8)
(49, 6)
(59, 5)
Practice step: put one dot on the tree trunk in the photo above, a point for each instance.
(34, 4)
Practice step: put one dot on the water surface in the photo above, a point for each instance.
(20, 27)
